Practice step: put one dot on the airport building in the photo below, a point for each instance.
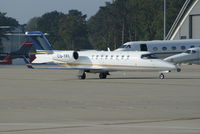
(187, 23)
(11, 43)
(14, 40)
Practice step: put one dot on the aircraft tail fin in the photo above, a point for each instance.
(39, 40)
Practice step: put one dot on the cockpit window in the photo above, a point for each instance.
(125, 46)
(149, 56)
(190, 51)
(122, 46)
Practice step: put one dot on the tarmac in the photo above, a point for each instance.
(56, 101)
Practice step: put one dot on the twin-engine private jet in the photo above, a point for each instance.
(190, 56)
(161, 48)
(174, 51)
(104, 62)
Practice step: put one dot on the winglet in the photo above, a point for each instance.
(28, 64)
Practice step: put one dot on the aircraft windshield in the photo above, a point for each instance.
(187, 51)
(190, 51)
(125, 46)
(149, 56)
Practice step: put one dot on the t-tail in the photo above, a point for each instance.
(39, 41)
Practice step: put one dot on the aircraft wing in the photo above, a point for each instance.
(55, 66)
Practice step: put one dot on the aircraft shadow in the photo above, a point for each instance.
(142, 78)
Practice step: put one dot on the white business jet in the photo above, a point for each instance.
(190, 56)
(161, 48)
(104, 62)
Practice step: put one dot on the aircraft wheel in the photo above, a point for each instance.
(161, 76)
(178, 70)
(83, 76)
(102, 75)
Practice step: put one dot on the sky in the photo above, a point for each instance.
(24, 10)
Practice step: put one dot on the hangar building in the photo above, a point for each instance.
(187, 23)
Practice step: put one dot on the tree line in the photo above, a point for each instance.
(4, 23)
(115, 23)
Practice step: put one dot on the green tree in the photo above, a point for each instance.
(50, 23)
(115, 23)
(129, 20)
(32, 24)
(6, 21)
(74, 31)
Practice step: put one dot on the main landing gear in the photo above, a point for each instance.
(102, 75)
(161, 76)
(178, 69)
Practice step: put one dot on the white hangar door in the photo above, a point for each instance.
(195, 27)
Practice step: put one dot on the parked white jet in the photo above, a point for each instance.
(161, 48)
(104, 62)
(190, 56)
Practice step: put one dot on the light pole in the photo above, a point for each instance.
(164, 34)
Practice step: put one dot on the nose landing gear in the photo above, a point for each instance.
(162, 76)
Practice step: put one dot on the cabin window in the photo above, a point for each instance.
(117, 56)
(106, 56)
(111, 57)
(183, 47)
(128, 56)
(122, 57)
(164, 48)
(173, 48)
(97, 56)
(191, 46)
(155, 49)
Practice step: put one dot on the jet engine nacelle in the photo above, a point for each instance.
(67, 56)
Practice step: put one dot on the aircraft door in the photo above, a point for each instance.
(143, 47)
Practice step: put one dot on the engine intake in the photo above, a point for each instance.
(75, 55)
